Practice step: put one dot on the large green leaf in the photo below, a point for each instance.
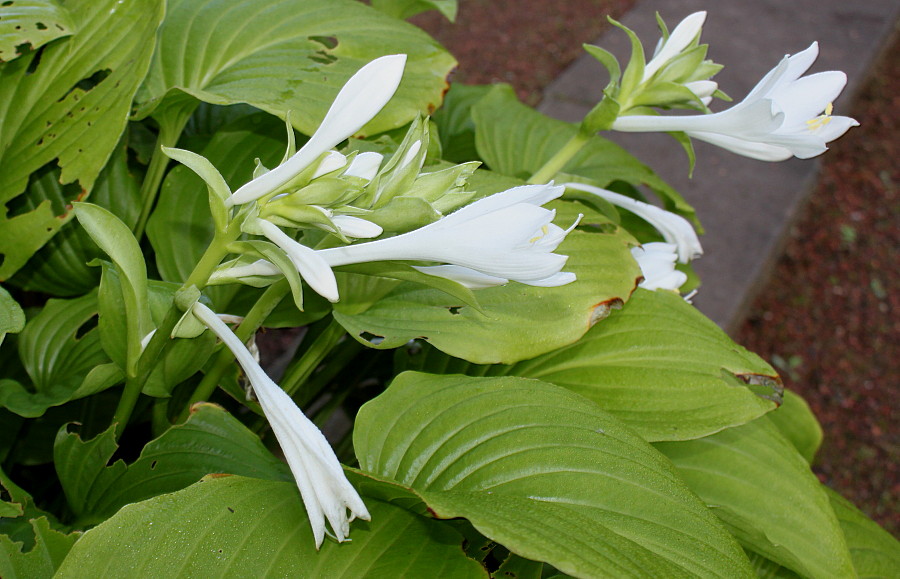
(516, 140)
(874, 551)
(798, 424)
(69, 106)
(765, 493)
(287, 56)
(546, 473)
(61, 352)
(240, 527)
(181, 226)
(516, 321)
(32, 23)
(60, 267)
(210, 441)
(663, 368)
(116, 239)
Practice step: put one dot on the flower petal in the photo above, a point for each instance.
(312, 268)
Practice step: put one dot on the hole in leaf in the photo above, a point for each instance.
(40, 26)
(7, 3)
(329, 42)
(373, 339)
(230, 510)
(87, 84)
(86, 327)
(32, 66)
(454, 310)
(153, 464)
(322, 57)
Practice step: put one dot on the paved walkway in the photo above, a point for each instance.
(746, 206)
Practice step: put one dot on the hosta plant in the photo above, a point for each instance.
(276, 303)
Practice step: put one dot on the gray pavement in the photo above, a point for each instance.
(746, 206)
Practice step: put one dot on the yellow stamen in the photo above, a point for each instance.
(821, 120)
(544, 230)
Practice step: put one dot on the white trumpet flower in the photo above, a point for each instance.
(675, 229)
(785, 115)
(506, 236)
(364, 95)
(326, 492)
(657, 262)
(680, 38)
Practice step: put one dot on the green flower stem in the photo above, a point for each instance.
(168, 136)
(198, 278)
(252, 322)
(559, 160)
(302, 368)
(315, 383)
(134, 384)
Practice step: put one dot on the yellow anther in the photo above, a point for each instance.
(544, 230)
(821, 120)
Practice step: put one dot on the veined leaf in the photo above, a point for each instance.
(874, 551)
(70, 109)
(544, 472)
(663, 368)
(210, 441)
(33, 23)
(558, 316)
(242, 527)
(798, 425)
(62, 354)
(60, 267)
(287, 56)
(765, 493)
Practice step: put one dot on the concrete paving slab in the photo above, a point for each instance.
(746, 206)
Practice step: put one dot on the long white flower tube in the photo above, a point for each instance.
(657, 262)
(506, 236)
(675, 229)
(326, 492)
(686, 31)
(364, 95)
(785, 115)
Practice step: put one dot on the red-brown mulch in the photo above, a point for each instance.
(831, 304)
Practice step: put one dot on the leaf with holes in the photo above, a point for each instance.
(30, 24)
(61, 351)
(242, 527)
(663, 368)
(214, 51)
(516, 140)
(546, 473)
(554, 317)
(60, 267)
(68, 104)
(767, 496)
(210, 441)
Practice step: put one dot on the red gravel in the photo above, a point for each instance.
(832, 301)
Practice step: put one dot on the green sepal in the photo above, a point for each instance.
(277, 256)
(219, 192)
